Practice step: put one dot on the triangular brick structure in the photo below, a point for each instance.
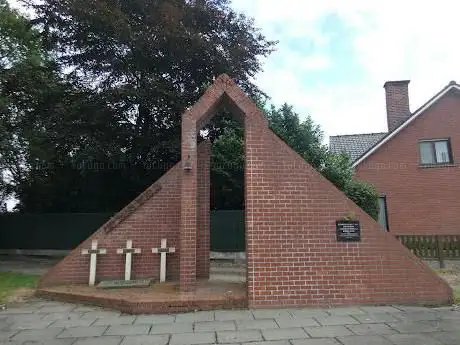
(293, 256)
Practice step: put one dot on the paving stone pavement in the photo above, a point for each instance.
(40, 322)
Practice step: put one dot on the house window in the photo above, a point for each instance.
(435, 151)
(383, 214)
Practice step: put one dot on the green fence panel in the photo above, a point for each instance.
(59, 231)
(64, 231)
(227, 231)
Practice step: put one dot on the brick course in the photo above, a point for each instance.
(420, 200)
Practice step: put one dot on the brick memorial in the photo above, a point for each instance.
(294, 257)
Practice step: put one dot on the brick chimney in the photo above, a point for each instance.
(397, 97)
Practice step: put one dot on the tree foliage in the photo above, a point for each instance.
(100, 108)
(306, 138)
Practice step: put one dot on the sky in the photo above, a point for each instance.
(333, 57)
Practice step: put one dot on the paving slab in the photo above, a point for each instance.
(62, 316)
(193, 338)
(24, 318)
(239, 336)
(420, 316)
(5, 335)
(328, 331)
(127, 330)
(284, 333)
(35, 324)
(380, 309)
(209, 326)
(414, 309)
(447, 338)
(146, 340)
(416, 327)
(193, 317)
(99, 341)
(376, 318)
(322, 341)
(270, 313)
(371, 329)
(308, 312)
(118, 320)
(223, 315)
(448, 314)
(412, 339)
(270, 342)
(296, 322)
(5, 325)
(100, 314)
(37, 334)
(336, 320)
(72, 323)
(64, 308)
(154, 319)
(19, 310)
(48, 342)
(85, 309)
(256, 324)
(345, 311)
(171, 328)
(449, 325)
(82, 332)
(364, 340)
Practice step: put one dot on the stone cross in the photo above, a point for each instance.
(128, 251)
(93, 252)
(163, 251)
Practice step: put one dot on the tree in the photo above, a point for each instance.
(102, 107)
(306, 138)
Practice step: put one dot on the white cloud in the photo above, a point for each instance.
(391, 40)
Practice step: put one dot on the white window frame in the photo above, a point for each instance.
(433, 149)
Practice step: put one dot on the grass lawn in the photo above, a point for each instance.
(452, 276)
(457, 295)
(11, 283)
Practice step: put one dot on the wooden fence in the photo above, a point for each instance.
(440, 247)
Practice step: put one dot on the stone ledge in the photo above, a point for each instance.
(208, 297)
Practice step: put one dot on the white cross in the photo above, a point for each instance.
(129, 251)
(94, 251)
(163, 251)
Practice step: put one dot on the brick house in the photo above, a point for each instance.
(414, 165)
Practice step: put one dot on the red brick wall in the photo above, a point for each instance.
(203, 228)
(420, 200)
(146, 223)
(294, 258)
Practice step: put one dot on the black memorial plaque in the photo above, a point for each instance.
(348, 231)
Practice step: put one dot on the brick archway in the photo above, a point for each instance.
(223, 92)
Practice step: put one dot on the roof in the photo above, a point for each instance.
(450, 87)
(361, 146)
(354, 144)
